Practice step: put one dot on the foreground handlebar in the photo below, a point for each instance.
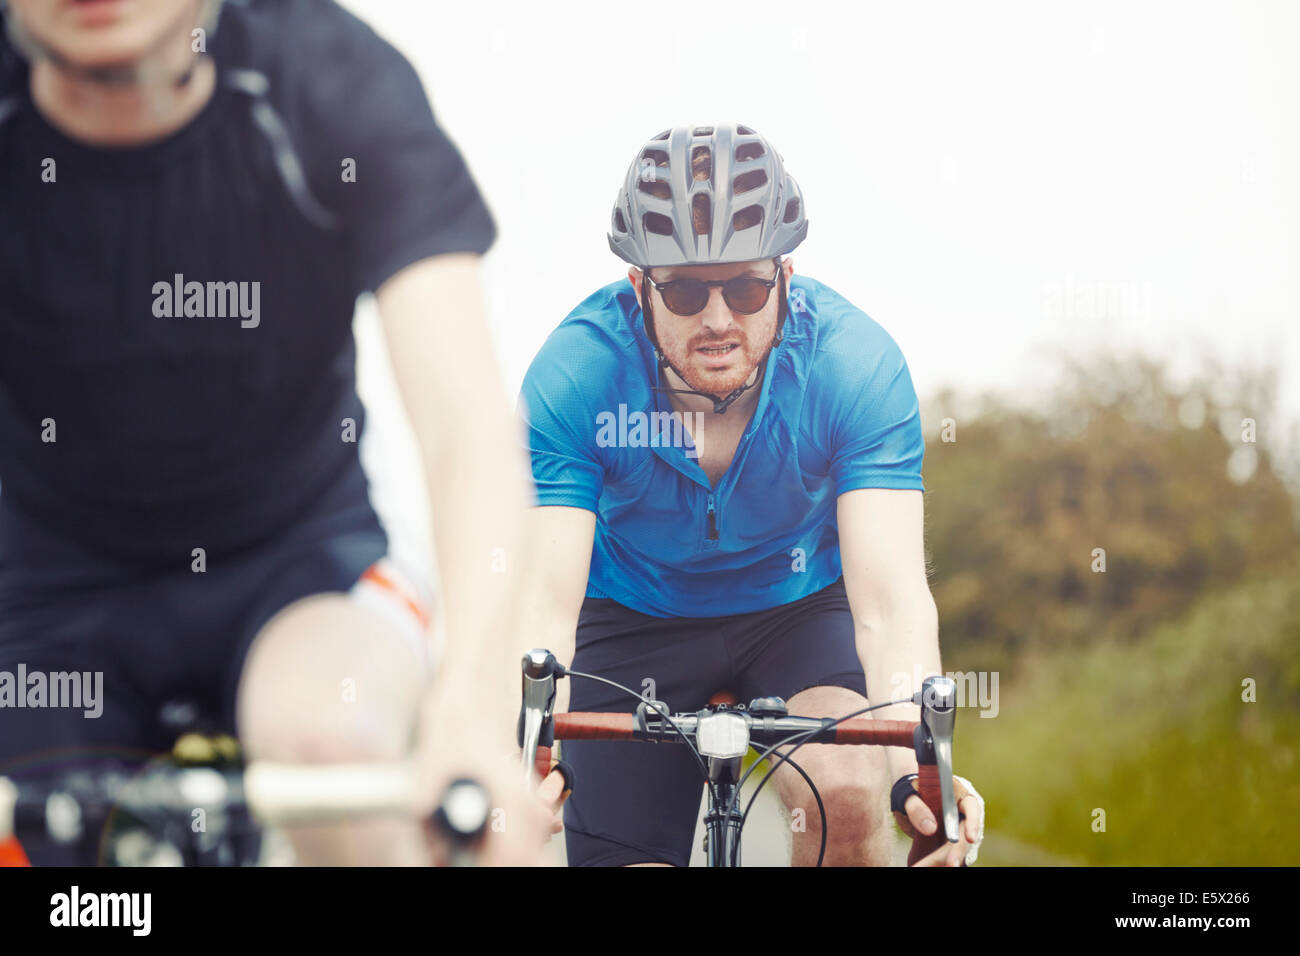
(275, 794)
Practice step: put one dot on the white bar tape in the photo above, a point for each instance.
(973, 853)
(284, 793)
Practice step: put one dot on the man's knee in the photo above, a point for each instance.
(327, 681)
(850, 784)
(852, 811)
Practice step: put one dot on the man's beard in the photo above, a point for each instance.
(720, 383)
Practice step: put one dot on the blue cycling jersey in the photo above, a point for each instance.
(837, 412)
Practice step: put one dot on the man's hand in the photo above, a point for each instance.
(919, 819)
(454, 741)
(552, 792)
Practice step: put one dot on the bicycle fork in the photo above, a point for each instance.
(723, 819)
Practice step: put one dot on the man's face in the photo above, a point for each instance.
(104, 33)
(716, 350)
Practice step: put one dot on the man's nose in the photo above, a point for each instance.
(717, 316)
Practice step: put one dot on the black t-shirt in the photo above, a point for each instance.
(220, 431)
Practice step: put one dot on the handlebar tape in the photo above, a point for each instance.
(927, 785)
(542, 763)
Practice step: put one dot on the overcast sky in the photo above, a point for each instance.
(985, 180)
(980, 178)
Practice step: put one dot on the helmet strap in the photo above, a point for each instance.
(720, 405)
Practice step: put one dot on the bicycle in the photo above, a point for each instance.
(722, 734)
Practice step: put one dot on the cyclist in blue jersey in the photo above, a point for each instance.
(727, 459)
(192, 197)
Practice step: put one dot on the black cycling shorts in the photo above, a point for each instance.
(157, 638)
(638, 802)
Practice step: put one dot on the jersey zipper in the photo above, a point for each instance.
(713, 521)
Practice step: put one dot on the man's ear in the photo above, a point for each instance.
(787, 264)
(634, 277)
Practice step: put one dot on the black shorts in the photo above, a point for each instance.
(157, 638)
(636, 802)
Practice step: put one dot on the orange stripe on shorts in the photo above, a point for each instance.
(378, 578)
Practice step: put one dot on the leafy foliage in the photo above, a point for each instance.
(1122, 690)
(1018, 503)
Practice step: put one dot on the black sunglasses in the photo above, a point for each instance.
(744, 294)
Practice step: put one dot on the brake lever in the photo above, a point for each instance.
(536, 714)
(938, 716)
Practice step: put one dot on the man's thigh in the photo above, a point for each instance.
(328, 679)
(807, 643)
(806, 653)
(636, 802)
(66, 708)
(835, 769)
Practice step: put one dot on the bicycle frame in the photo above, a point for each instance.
(724, 733)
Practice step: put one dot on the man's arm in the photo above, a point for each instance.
(882, 548)
(894, 616)
(444, 360)
(557, 562)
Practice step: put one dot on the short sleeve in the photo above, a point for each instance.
(874, 428)
(567, 465)
(412, 195)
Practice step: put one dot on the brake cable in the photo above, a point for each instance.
(660, 707)
(821, 810)
(807, 736)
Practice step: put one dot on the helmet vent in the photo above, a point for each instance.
(791, 210)
(620, 224)
(702, 214)
(660, 189)
(664, 135)
(747, 218)
(745, 131)
(656, 156)
(703, 131)
(701, 164)
(749, 151)
(750, 180)
(657, 223)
